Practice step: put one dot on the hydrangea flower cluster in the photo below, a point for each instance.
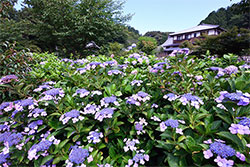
(43, 146)
(3, 159)
(110, 63)
(96, 92)
(239, 129)
(78, 155)
(228, 70)
(137, 98)
(90, 109)
(43, 86)
(8, 78)
(93, 65)
(73, 114)
(137, 58)
(139, 158)
(19, 105)
(171, 123)
(94, 136)
(222, 151)
(52, 94)
(136, 82)
(115, 72)
(242, 99)
(33, 126)
(104, 113)
(170, 96)
(81, 70)
(242, 127)
(130, 144)
(191, 99)
(37, 112)
(106, 101)
(81, 92)
(139, 126)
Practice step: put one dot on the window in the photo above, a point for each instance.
(194, 35)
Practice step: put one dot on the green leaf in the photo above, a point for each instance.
(118, 93)
(235, 139)
(46, 159)
(57, 160)
(173, 161)
(75, 138)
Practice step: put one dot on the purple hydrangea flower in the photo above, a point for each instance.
(81, 70)
(3, 158)
(52, 94)
(123, 66)
(240, 156)
(37, 112)
(244, 121)
(207, 154)
(222, 150)
(238, 97)
(41, 87)
(241, 129)
(8, 78)
(136, 82)
(139, 158)
(9, 139)
(104, 165)
(90, 109)
(170, 96)
(106, 101)
(116, 72)
(139, 126)
(130, 144)
(94, 136)
(42, 146)
(73, 114)
(82, 92)
(78, 155)
(110, 63)
(230, 70)
(33, 126)
(190, 99)
(104, 113)
(223, 162)
(170, 122)
(131, 100)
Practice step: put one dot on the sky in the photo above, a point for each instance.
(168, 15)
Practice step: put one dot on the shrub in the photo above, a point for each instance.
(147, 44)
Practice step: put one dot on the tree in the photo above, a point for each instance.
(236, 15)
(232, 41)
(160, 37)
(68, 25)
(147, 44)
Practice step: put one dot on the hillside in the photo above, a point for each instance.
(236, 15)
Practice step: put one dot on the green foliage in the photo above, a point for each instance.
(147, 44)
(232, 41)
(164, 147)
(236, 15)
(160, 37)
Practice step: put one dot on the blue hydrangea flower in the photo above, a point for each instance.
(81, 70)
(238, 128)
(82, 92)
(170, 96)
(42, 146)
(73, 114)
(91, 109)
(9, 139)
(191, 99)
(170, 122)
(8, 78)
(244, 121)
(104, 113)
(37, 112)
(139, 158)
(136, 82)
(78, 155)
(94, 136)
(116, 72)
(130, 144)
(222, 150)
(3, 158)
(238, 97)
(106, 101)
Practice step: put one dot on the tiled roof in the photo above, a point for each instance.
(196, 28)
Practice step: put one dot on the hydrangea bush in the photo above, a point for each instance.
(135, 110)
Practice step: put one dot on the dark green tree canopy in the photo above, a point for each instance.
(236, 15)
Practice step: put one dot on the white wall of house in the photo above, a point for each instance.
(212, 32)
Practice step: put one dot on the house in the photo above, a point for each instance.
(175, 39)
